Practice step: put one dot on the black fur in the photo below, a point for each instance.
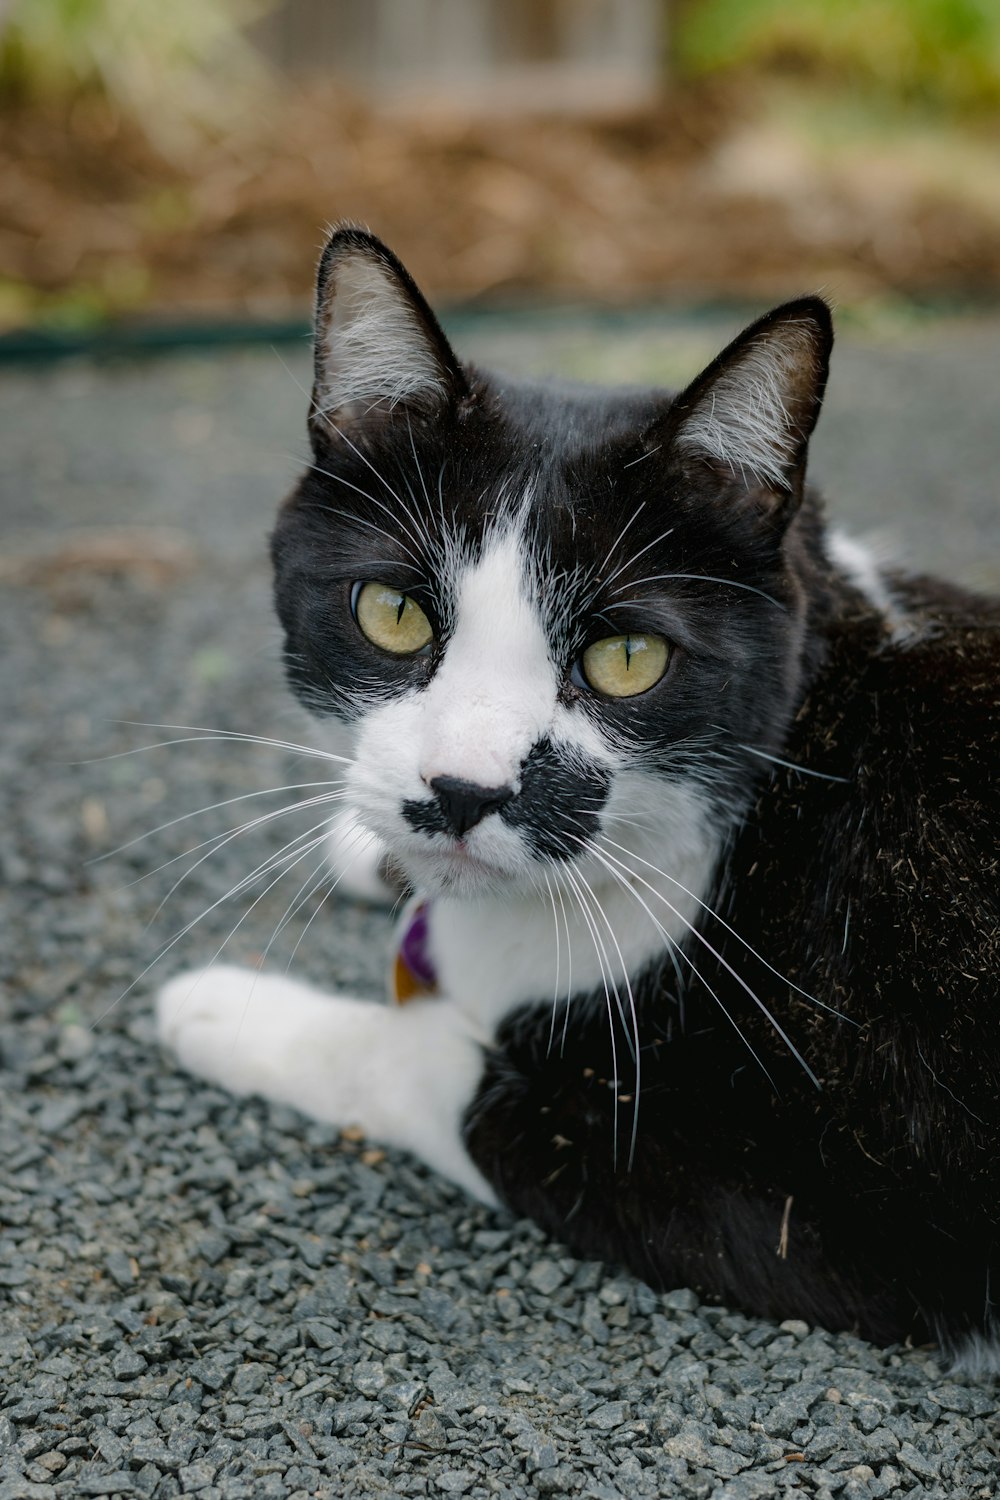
(848, 1173)
(877, 895)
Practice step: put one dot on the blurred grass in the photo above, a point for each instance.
(171, 64)
(942, 55)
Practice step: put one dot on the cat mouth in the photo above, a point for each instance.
(455, 866)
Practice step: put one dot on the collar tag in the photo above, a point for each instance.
(413, 976)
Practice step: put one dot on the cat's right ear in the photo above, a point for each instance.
(379, 350)
(748, 417)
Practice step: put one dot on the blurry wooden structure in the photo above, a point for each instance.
(599, 56)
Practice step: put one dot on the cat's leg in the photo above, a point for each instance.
(404, 1074)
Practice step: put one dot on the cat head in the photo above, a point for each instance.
(550, 615)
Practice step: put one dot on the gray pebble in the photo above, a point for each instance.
(127, 1364)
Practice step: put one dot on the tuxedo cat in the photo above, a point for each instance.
(700, 806)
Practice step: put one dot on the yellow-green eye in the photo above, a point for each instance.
(390, 619)
(621, 666)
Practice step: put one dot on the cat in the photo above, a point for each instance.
(701, 807)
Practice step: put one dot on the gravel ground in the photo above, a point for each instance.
(203, 1296)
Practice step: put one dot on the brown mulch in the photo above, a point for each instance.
(613, 209)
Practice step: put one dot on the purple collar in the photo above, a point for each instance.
(413, 972)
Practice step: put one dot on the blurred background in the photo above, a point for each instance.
(178, 161)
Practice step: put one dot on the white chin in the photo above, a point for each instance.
(443, 872)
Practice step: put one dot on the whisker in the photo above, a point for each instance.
(637, 1053)
(198, 735)
(605, 977)
(358, 837)
(698, 578)
(199, 811)
(219, 841)
(733, 933)
(555, 987)
(700, 937)
(239, 923)
(675, 952)
(380, 477)
(361, 520)
(791, 766)
(636, 556)
(620, 537)
(189, 926)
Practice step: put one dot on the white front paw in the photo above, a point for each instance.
(230, 1025)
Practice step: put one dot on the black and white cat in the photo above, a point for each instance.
(701, 807)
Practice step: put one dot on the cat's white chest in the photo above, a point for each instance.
(566, 941)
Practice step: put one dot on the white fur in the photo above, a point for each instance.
(374, 349)
(404, 1075)
(863, 568)
(742, 420)
(978, 1358)
(492, 697)
(496, 689)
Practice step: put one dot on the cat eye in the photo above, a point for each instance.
(622, 666)
(389, 619)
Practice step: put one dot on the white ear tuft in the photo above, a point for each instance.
(377, 343)
(755, 407)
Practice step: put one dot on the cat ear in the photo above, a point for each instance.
(751, 413)
(378, 346)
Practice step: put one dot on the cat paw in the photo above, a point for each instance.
(230, 1025)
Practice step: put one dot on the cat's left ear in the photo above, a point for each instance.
(378, 348)
(750, 414)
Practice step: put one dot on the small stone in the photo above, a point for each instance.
(149, 1451)
(546, 1277)
(541, 1455)
(680, 1300)
(127, 1364)
(688, 1444)
(608, 1416)
(369, 1377)
(916, 1462)
(196, 1476)
(121, 1483)
(249, 1379)
(456, 1481)
(555, 1481)
(122, 1269)
(54, 1461)
(238, 1282)
(403, 1396)
(593, 1322)
(212, 1246)
(323, 1335)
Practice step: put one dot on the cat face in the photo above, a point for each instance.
(550, 617)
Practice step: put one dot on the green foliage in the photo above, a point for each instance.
(939, 53)
(168, 57)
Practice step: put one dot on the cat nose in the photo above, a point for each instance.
(465, 804)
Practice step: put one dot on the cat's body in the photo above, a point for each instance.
(716, 955)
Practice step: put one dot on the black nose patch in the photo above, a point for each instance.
(463, 804)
